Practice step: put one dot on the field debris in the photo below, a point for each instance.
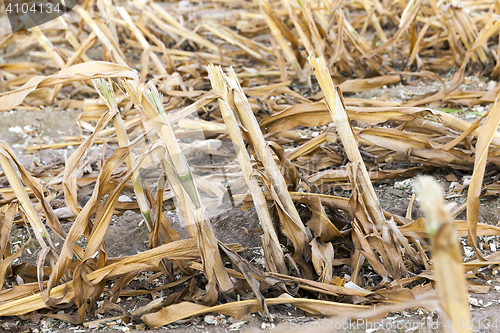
(189, 109)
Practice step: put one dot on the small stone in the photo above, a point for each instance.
(451, 178)
(45, 323)
(474, 301)
(124, 198)
(404, 184)
(491, 85)
(236, 326)
(469, 252)
(466, 180)
(210, 320)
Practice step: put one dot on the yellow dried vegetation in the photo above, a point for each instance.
(271, 82)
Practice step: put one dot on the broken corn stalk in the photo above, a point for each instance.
(22, 196)
(337, 110)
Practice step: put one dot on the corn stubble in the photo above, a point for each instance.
(253, 75)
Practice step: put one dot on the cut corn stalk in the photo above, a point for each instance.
(107, 94)
(333, 98)
(117, 54)
(446, 254)
(163, 128)
(144, 44)
(292, 224)
(273, 249)
(278, 36)
(149, 102)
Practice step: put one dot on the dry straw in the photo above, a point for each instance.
(307, 155)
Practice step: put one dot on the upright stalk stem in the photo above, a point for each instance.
(107, 94)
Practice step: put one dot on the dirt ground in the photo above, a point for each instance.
(127, 234)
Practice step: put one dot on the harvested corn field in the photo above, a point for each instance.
(188, 164)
